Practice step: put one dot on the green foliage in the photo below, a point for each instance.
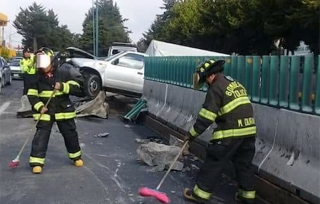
(111, 28)
(5, 53)
(241, 26)
(41, 28)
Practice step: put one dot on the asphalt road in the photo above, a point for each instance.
(111, 173)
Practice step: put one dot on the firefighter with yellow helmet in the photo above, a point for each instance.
(53, 78)
(228, 105)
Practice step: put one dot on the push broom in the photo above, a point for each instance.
(160, 196)
(15, 163)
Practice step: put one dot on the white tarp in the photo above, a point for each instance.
(158, 48)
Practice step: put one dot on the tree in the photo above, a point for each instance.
(156, 30)
(242, 26)
(111, 28)
(39, 27)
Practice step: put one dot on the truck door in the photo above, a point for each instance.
(126, 73)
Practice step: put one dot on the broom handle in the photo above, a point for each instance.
(173, 162)
(25, 143)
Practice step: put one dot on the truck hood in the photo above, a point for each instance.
(81, 62)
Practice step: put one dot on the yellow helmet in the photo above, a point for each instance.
(204, 70)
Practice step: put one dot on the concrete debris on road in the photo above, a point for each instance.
(159, 155)
(97, 107)
(102, 135)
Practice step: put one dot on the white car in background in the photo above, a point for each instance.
(122, 73)
(15, 68)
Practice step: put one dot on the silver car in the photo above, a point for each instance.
(5, 73)
(15, 68)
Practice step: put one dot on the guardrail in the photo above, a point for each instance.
(289, 82)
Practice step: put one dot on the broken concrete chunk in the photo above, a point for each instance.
(141, 141)
(159, 155)
(102, 135)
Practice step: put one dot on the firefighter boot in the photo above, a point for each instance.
(189, 195)
(78, 163)
(37, 169)
(243, 200)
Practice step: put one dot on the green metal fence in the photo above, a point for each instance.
(291, 82)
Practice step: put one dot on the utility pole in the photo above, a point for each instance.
(97, 28)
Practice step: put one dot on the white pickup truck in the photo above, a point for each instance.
(121, 73)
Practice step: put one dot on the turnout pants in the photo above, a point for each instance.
(41, 139)
(219, 154)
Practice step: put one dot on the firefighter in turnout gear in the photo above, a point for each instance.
(57, 82)
(28, 69)
(27, 66)
(227, 104)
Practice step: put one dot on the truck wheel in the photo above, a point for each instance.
(92, 85)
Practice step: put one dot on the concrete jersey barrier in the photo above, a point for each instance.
(287, 147)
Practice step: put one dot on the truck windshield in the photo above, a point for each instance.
(113, 56)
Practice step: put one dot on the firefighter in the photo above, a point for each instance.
(27, 66)
(51, 76)
(227, 104)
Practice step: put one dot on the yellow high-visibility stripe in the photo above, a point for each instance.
(234, 104)
(247, 194)
(71, 82)
(36, 160)
(234, 132)
(74, 155)
(45, 94)
(193, 132)
(66, 88)
(38, 105)
(207, 114)
(64, 116)
(202, 194)
(32, 92)
(44, 117)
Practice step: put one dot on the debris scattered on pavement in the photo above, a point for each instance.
(127, 126)
(159, 155)
(102, 135)
(173, 192)
(82, 145)
(156, 140)
(141, 141)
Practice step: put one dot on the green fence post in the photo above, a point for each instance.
(265, 79)
(233, 73)
(273, 85)
(161, 68)
(294, 83)
(283, 81)
(185, 71)
(256, 79)
(189, 70)
(227, 66)
(169, 71)
(155, 69)
(306, 86)
(248, 75)
(173, 70)
(179, 71)
(317, 90)
(240, 69)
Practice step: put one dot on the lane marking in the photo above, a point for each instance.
(4, 107)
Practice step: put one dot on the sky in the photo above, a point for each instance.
(141, 14)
